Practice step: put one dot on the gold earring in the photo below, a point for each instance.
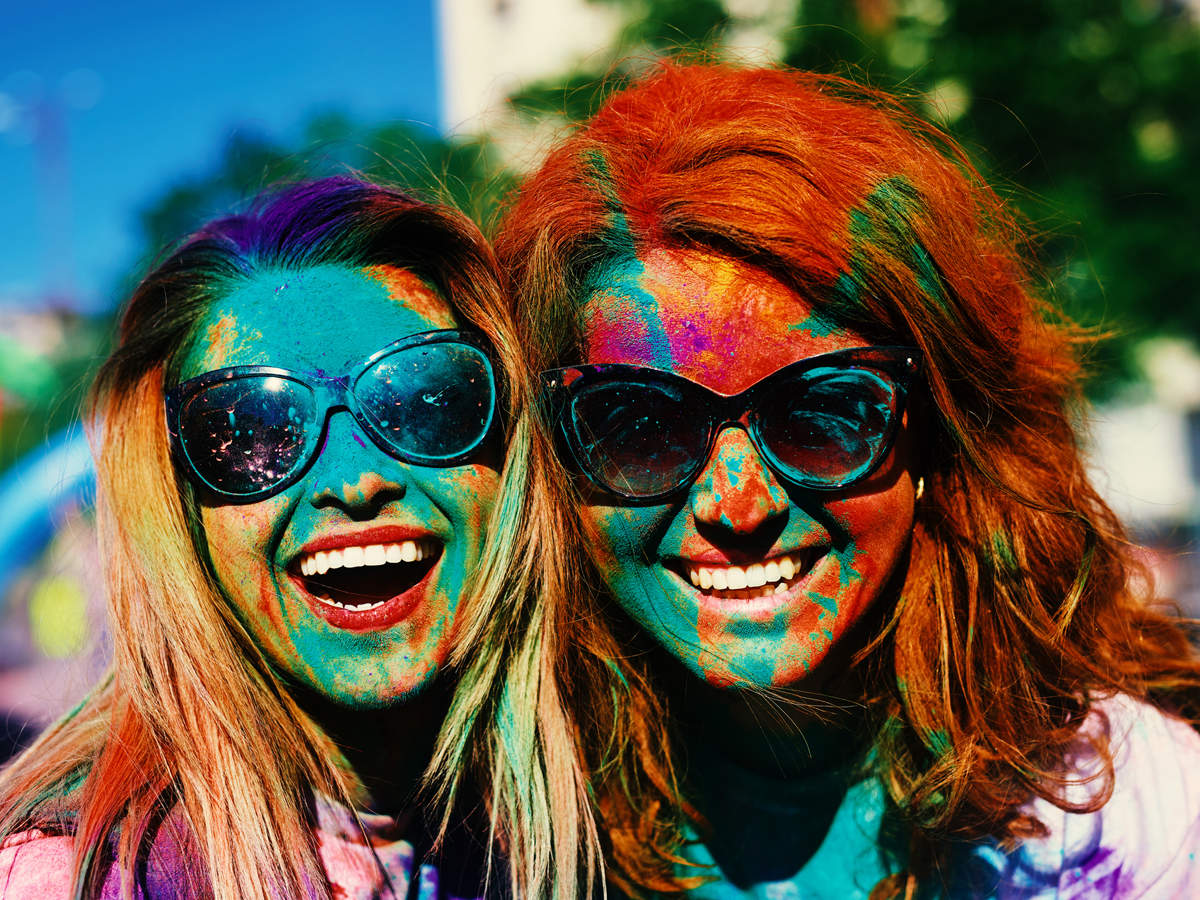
(920, 488)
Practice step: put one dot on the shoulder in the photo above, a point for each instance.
(1144, 842)
(39, 865)
(36, 864)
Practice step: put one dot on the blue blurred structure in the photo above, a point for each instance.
(36, 493)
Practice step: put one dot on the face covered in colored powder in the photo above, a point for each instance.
(348, 579)
(790, 570)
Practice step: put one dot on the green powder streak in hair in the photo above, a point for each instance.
(618, 236)
(616, 670)
(884, 220)
(938, 742)
(1002, 550)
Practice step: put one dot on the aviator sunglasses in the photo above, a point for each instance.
(247, 432)
(643, 434)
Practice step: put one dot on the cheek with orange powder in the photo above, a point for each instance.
(239, 539)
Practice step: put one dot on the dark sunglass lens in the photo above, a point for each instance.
(638, 440)
(828, 427)
(433, 402)
(246, 435)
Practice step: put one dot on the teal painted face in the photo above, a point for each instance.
(395, 543)
(745, 580)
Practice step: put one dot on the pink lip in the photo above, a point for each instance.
(380, 534)
(762, 608)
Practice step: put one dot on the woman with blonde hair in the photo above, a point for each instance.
(299, 442)
(826, 590)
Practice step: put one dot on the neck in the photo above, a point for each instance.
(794, 733)
(385, 751)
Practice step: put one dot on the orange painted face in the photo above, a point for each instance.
(746, 579)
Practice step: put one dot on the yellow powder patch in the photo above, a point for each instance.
(408, 289)
(220, 337)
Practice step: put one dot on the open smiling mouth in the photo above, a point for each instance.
(361, 579)
(776, 575)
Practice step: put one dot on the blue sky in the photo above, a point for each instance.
(152, 92)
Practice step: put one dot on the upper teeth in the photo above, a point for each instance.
(370, 555)
(781, 569)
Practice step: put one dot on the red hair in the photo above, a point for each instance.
(1019, 605)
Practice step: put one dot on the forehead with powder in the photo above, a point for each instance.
(317, 318)
(712, 319)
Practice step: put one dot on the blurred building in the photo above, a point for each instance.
(489, 49)
(1145, 454)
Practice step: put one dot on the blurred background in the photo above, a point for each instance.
(123, 126)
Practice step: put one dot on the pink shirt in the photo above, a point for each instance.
(359, 866)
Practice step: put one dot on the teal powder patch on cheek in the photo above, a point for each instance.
(848, 573)
(829, 604)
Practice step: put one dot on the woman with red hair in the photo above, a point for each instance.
(823, 582)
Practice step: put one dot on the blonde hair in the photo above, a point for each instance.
(191, 720)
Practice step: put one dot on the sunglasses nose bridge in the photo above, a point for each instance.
(334, 394)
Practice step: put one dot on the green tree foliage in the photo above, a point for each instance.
(465, 173)
(40, 395)
(1089, 107)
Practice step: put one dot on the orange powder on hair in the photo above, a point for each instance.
(407, 288)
